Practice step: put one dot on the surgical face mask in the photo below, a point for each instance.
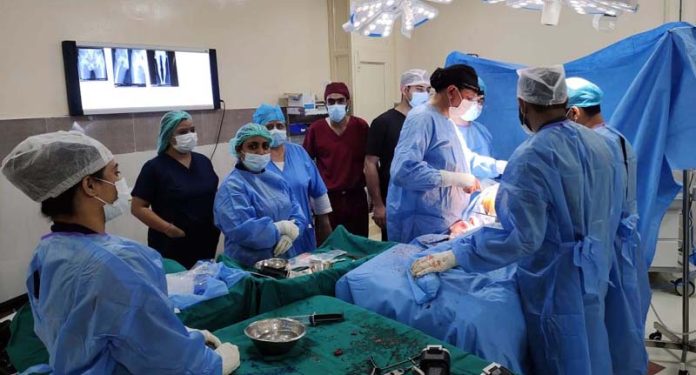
(473, 112)
(255, 162)
(279, 137)
(418, 98)
(523, 122)
(122, 202)
(459, 113)
(337, 112)
(185, 143)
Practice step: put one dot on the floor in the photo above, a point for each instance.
(668, 306)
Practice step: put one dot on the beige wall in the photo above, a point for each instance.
(265, 47)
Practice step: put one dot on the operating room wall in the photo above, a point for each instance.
(265, 47)
(499, 32)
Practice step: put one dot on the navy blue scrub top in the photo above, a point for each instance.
(184, 197)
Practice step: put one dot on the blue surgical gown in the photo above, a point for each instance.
(555, 206)
(246, 206)
(630, 295)
(477, 138)
(481, 166)
(304, 180)
(417, 202)
(100, 306)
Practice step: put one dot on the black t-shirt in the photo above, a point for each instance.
(381, 142)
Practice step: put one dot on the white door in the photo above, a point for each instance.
(371, 91)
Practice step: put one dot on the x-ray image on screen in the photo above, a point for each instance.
(163, 68)
(91, 65)
(130, 67)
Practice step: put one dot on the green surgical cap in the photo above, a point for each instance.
(168, 123)
(245, 132)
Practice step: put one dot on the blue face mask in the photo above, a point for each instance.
(256, 163)
(337, 112)
(418, 98)
(279, 137)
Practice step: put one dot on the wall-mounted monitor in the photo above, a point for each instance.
(111, 78)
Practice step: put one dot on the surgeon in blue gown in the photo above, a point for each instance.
(430, 184)
(475, 138)
(99, 301)
(556, 214)
(478, 138)
(293, 163)
(254, 207)
(584, 103)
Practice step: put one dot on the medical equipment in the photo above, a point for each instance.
(435, 360)
(496, 369)
(277, 336)
(375, 18)
(316, 319)
(275, 267)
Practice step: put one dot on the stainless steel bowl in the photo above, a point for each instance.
(275, 263)
(275, 336)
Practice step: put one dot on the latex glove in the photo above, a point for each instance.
(439, 262)
(463, 180)
(288, 228)
(475, 187)
(230, 357)
(209, 337)
(500, 166)
(173, 231)
(283, 245)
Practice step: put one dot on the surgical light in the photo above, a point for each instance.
(604, 11)
(376, 18)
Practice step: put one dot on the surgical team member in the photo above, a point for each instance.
(383, 137)
(481, 166)
(554, 204)
(254, 207)
(337, 143)
(174, 194)
(99, 301)
(584, 103)
(478, 138)
(299, 171)
(429, 190)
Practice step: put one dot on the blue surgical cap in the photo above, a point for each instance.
(267, 113)
(168, 123)
(245, 132)
(482, 86)
(583, 93)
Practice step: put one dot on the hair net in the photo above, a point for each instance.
(245, 132)
(461, 75)
(46, 165)
(543, 85)
(583, 93)
(267, 113)
(336, 88)
(415, 77)
(168, 123)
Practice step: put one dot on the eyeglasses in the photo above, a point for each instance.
(340, 101)
(275, 124)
